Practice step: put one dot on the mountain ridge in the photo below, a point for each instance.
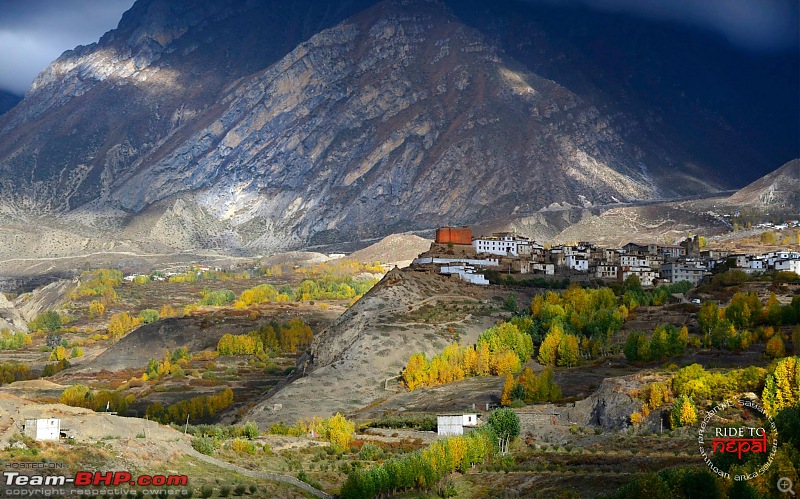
(356, 122)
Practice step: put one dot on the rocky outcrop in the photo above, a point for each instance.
(10, 318)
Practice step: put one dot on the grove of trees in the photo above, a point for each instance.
(198, 409)
(500, 350)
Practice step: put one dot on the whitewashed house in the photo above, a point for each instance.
(453, 424)
(503, 243)
(788, 265)
(43, 429)
(577, 262)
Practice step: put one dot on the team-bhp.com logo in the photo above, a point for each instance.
(24, 484)
(738, 428)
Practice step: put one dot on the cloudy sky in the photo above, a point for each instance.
(35, 32)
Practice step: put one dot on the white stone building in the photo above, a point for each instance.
(788, 265)
(503, 243)
(43, 429)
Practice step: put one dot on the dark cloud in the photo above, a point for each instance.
(754, 25)
(33, 33)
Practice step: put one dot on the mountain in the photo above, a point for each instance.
(8, 100)
(261, 125)
(778, 191)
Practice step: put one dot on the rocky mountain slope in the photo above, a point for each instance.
(778, 191)
(262, 126)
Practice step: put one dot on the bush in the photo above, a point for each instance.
(775, 348)
(204, 445)
(250, 430)
(206, 491)
(241, 446)
(370, 452)
(46, 321)
(218, 298)
(148, 315)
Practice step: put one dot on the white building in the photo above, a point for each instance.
(633, 261)
(503, 243)
(466, 273)
(43, 429)
(577, 262)
(788, 265)
(453, 424)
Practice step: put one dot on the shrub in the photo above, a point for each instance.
(370, 452)
(204, 445)
(46, 321)
(206, 491)
(96, 309)
(148, 315)
(250, 430)
(241, 446)
(218, 298)
(775, 347)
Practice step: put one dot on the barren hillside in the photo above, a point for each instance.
(407, 312)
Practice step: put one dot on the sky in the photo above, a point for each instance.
(33, 33)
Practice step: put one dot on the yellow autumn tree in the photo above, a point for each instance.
(504, 362)
(121, 324)
(339, 431)
(415, 375)
(505, 397)
(548, 350)
(167, 311)
(96, 309)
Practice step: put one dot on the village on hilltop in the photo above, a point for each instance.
(456, 252)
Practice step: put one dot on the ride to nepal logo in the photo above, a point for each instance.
(735, 431)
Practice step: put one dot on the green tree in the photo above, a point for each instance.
(510, 303)
(46, 321)
(505, 424)
(637, 347)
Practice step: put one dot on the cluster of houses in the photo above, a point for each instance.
(456, 252)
